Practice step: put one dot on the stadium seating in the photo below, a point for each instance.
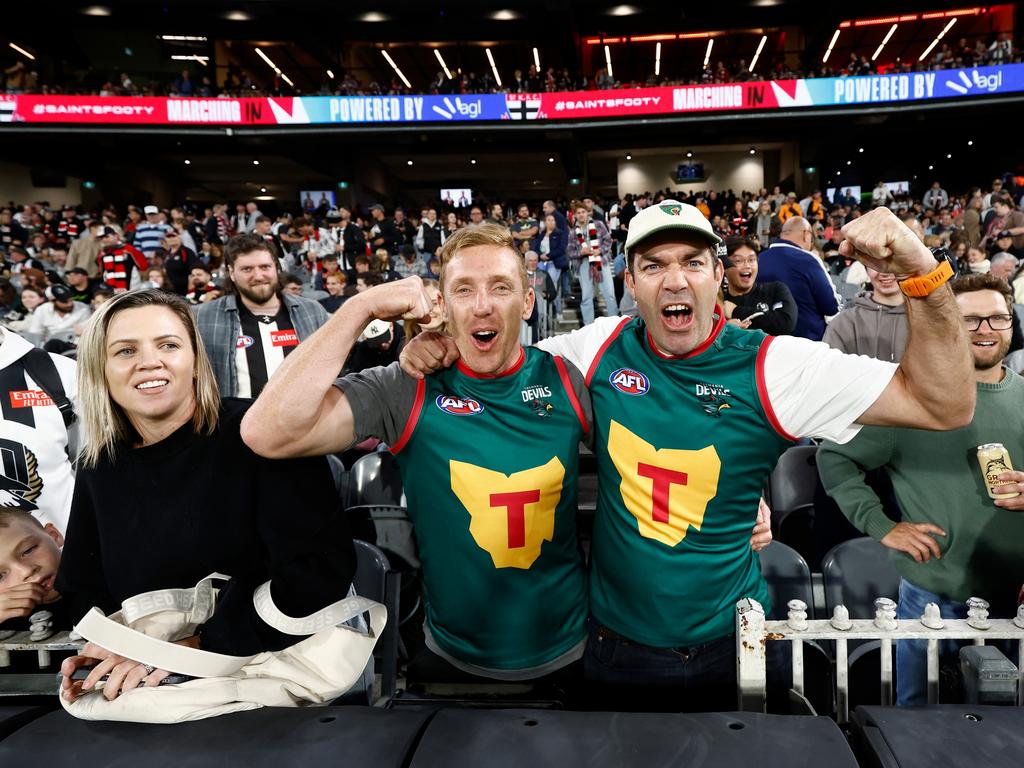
(791, 488)
(375, 479)
(375, 579)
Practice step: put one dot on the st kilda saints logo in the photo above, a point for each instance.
(630, 382)
(20, 483)
(459, 406)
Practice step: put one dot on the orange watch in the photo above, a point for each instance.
(922, 285)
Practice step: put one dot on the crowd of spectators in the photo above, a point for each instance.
(55, 265)
(21, 78)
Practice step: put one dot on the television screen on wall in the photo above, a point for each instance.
(687, 172)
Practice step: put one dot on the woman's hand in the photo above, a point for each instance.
(123, 674)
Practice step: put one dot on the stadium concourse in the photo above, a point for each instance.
(523, 397)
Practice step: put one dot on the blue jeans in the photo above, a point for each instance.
(607, 288)
(625, 675)
(912, 655)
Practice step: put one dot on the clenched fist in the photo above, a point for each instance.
(879, 240)
(400, 300)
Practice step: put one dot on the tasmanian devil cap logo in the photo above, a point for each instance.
(459, 406)
(672, 210)
(666, 490)
(20, 482)
(630, 381)
(511, 516)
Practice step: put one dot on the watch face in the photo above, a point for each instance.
(943, 255)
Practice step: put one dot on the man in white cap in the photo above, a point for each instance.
(690, 416)
(150, 235)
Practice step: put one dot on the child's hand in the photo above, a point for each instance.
(20, 600)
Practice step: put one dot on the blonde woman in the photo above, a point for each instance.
(167, 493)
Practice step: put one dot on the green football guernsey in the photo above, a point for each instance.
(490, 470)
(684, 445)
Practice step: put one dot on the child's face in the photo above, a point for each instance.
(29, 554)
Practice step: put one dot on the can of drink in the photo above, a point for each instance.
(994, 460)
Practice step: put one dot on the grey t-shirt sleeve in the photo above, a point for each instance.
(579, 387)
(381, 400)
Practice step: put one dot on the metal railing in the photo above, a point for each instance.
(753, 633)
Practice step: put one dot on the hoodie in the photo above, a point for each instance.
(869, 328)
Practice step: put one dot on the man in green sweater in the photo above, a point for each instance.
(955, 542)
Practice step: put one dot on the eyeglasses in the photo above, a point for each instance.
(995, 322)
(748, 261)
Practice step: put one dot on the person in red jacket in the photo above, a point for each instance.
(121, 264)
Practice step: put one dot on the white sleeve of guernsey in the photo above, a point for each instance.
(581, 346)
(817, 391)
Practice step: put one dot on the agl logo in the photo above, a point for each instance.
(630, 382)
(459, 406)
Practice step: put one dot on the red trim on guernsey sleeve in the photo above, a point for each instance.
(563, 374)
(465, 370)
(414, 417)
(600, 352)
(762, 389)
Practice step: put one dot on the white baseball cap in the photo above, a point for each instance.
(150, 209)
(668, 214)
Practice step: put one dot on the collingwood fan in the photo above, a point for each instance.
(121, 264)
(340, 237)
(249, 332)
(35, 413)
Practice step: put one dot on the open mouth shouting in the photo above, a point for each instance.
(484, 338)
(677, 316)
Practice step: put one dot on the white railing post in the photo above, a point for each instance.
(751, 661)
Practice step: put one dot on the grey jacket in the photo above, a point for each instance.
(868, 328)
(220, 328)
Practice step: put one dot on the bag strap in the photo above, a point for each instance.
(331, 616)
(197, 602)
(40, 366)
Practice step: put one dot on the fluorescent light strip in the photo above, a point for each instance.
(878, 50)
(184, 38)
(608, 61)
(286, 79)
(536, 58)
(707, 56)
(494, 69)
(330, 74)
(397, 70)
(760, 47)
(657, 60)
(266, 58)
(935, 42)
(831, 45)
(22, 51)
(440, 60)
(181, 57)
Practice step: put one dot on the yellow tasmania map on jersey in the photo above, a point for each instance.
(510, 515)
(666, 490)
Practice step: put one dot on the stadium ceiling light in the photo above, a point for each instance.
(623, 10)
(885, 40)
(409, 161)
(938, 37)
(440, 60)
(330, 74)
(398, 72)
(861, 149)
(753, 150)
(494, 68)
(183, 38)
(949, 156)
(238, 16)
(551, 158)
(373, 17)
(536, 58)
(255, 161)
(22, 51)
(472, 161)
(274, 67)
(931, 167)
(263, 189)
(707, 54)
(204, 60)
(187, 161)
(96, 10)
(831, 45)
(689, 155)
(760, 47)
(506, 14)
(657, 60)
(629, 156)
(608, 61)
(970, 142)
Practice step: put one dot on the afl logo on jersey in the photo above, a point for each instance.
(459, 406)
(244, 342)
(630, 382)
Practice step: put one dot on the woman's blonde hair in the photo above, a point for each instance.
(104, 422)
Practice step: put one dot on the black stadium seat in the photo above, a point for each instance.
(375, 479)
(312, 736)
(375, 579)
(792, 485)
(510, 737)
(788, 578)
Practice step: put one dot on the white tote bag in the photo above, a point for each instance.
(314, 671)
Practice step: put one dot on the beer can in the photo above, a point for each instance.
(994, 460)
